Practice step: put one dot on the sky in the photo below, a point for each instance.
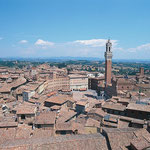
(76, 28)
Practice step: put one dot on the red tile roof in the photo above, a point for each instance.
(57, 99)
(47, 117)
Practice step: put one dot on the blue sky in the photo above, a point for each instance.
(77, 28)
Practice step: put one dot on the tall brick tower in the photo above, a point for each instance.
(141, 71)
(108, 63)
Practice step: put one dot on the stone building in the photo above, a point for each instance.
(45, 120)
(26, 113)
(58, 82)
(139, 111)
(78, 82)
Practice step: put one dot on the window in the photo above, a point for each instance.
(63, 132)
(23, 117)
(38, 126)
(116, 112)
(122, 113)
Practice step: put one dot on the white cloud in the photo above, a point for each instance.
(41, 42)
(141, 47)
(23, 41)
(83, 48)
(95, 42)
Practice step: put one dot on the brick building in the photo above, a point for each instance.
(96, 83)
(141, 71)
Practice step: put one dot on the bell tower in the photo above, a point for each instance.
(108, 63)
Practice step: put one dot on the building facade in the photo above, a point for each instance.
(78, 82)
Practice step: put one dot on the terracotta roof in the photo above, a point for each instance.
(109, 124)
(16, 83)
(51, 94)
(133, 120)
(66, 90)
(72, 142)
(47, 117)
(25, 108)
(121, 100)
(40, 133)
(81, 119)
(83, 89)
(138, 107)
(23, 132)
(114, 106)
(34, 101)
(6, 124)
(57, 99)
(72, 76)
(119, 138)
(65, 126)
(5, 88)
(81, 103)
(92, 123)
(7, 134)
(55, 107)
(111, 118)
(140, 144)
(5, 76)
(123, 124)
(142, 141)
(97, 111)
(143, 133)
(124, 81)
(65, 116)
(145, 86)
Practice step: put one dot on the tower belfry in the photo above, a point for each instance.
(108, 63)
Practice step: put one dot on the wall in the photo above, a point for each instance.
(29, 118)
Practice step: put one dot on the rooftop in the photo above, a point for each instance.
(47, 117)
(138, 107)
(60, 99)
(114, 106)
(80, 142)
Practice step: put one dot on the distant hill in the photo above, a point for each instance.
(62, 59)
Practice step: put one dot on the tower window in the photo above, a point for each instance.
(109, 49)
